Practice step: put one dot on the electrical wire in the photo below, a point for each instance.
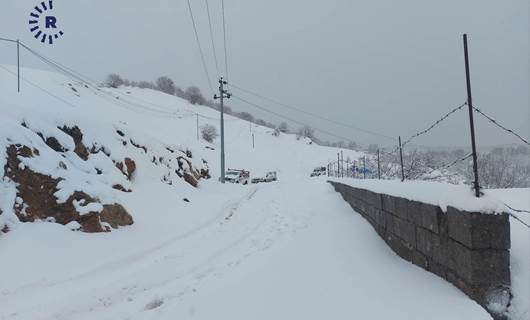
(310, 113)
(289, 119)
(76, 76)
(224, 39)
(39, 87)
(8, 40)
(200, 48)
(212, 38)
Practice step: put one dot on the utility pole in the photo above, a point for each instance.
(253, 145)
(197, 114)
(341, 164)
(401, 160)
(364, 167)
(471, 122)
(338, 167)
(223, 93)
(18, 64)
(378, 165)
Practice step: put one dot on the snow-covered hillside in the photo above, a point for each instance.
(291, 249)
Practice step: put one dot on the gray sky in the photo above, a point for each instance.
(387, 66)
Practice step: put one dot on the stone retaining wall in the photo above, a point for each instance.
(468, 249)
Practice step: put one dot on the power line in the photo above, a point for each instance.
(40, 88)
(76, 76)
(224, 39)
(200, 48)
(310, 113)
(492, 120)
(211, 37)
(290, 119)
(8, 40)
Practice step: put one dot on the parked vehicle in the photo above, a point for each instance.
(237, 176)
(319, 171)
(257, 180)
(271, 176)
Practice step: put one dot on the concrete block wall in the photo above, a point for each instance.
(468, 249)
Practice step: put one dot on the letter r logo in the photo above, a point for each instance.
(50, 22)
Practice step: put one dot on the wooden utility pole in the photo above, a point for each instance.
(223, 93)
(471, 122)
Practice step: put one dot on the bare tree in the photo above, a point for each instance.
(209, 132)
(245, 116)
(166, 85)
(146, 85)
(114, 80)
(194, 95)
(306, 132)
(180, 93)
(283, 127)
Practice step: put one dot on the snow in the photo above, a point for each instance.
(291, 249)
(436, 193)
(520, 250)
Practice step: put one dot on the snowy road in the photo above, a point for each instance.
(272, 253)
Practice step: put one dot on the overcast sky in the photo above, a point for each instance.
(387, 66)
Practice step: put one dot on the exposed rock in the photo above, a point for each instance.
(127, 167)
(121, 188)
(91, 223)
(53, 143)
(190, 179)
(138, 146)
(76, 134)
(205, 174)
(115, 215)
(36, 191)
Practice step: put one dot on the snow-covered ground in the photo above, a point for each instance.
(291, 249)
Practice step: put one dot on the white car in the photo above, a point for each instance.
(237, 176)
(271, 176)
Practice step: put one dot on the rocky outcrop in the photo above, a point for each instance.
(127, 167)
(36, 199)
(80, 149)
(115, 215)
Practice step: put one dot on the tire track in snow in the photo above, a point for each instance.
(125, 262)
